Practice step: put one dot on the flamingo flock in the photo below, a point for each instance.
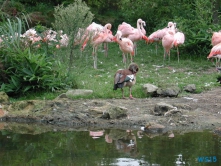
(170, 37)
(127, 36)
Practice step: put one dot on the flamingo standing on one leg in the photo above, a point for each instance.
(167, 43)
(179, 39)
(125, 44)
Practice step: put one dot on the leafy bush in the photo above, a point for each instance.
(25, 70)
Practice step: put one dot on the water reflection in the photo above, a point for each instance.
(23, 144)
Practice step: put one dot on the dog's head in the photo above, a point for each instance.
(134, 68)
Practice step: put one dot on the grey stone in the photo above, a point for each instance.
(190, 88)
(168, 92)
(161, 108)
(149, 89)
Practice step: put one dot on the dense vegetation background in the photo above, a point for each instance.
(197, 19)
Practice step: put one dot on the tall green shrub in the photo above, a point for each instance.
(69, 19)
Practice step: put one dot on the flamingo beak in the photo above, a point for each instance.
(114, 39)
(145, 38)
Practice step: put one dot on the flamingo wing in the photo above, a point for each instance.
(215, 51)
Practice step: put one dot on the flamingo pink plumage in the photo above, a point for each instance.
(167, 42)
(125, 29)
(98, 37)
(143, 23)
(134, 34)
(158, 35)
(93, 29)
(216, 38)
(179, 39)
(125, 44)
(215, 53)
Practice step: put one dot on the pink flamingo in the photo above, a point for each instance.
(143, 23)
(137, 34)
(167, 43)
(216, 53)
(179, 39)
(216, 38)
(125, 44)
(92, 30)
(99, 38)
(158, 35)
(125, 29)
(134, 34)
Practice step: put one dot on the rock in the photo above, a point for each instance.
(150, 89)
(190, 88)
(4, 97)
(161, 108)
(117, 112)
(78, 92)
(168, 92)
(109, 111)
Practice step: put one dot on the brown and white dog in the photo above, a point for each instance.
(126, 78)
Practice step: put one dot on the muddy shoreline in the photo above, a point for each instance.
(195, 112)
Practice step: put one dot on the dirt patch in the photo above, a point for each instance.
(193, 112)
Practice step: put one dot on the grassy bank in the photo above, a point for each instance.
(191, 69)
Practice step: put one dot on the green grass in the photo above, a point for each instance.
(192, 69)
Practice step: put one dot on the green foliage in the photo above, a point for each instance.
(70, 19)
(194, 18)
(11, 32)
(25, 70)
(34, 72)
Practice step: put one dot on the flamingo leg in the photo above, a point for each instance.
(124, 58)
(178, 54)
(164, 56)
(106, 49)
(169, 55)
(95, 57)
(135, 48)
(156, 47)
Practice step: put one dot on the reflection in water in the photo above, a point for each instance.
(23, 144)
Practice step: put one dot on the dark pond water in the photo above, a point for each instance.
(28, 145)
